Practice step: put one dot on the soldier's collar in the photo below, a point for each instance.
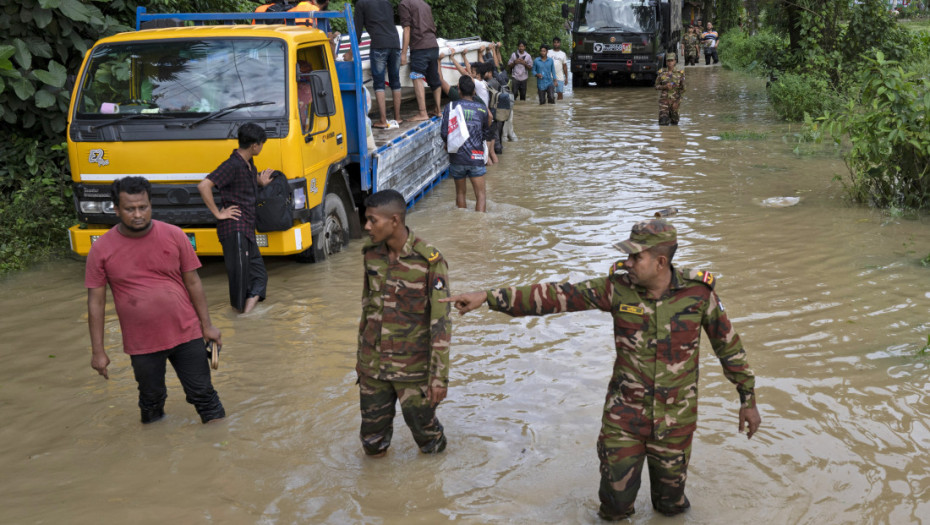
(677, 279)
(408, 245)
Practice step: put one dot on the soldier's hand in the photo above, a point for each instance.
(750, 419)
(466, 302)
(435, 394)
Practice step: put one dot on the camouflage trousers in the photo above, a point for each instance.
(378, 399)
(668, 111)
(621, 455)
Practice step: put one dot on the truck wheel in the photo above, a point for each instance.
(578, 80)
(335, 233)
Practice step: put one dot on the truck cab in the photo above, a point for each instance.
(622, 39)
(166, 104)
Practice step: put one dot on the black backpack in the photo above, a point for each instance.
(274, 204)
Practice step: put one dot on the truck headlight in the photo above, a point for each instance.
(109, 208)
(91, 206)
(300, 198)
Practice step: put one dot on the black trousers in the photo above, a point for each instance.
(711, 54)
(547, 94)
(190, 364)
(245, 269)
(519, 89)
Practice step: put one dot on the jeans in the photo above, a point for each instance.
(710, 53)
(383, 61)
(519, 88)
(190, 364)
(548, 93)
(461, 171)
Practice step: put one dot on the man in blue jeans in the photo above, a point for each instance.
(468, 162)
(377, 17)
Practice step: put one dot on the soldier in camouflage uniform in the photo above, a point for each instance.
(651, 408)
(671, 84)
(404, 333)
(692, 45)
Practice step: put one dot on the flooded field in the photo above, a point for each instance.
(830, 300)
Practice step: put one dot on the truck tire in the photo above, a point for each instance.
(335, 233)
(578, 80)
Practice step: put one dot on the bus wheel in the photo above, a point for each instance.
(335, 233)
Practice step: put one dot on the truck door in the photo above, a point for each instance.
(323, 137)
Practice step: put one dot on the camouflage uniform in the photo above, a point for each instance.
(669, 99)
(651, 406)
(692, 45)
(403, 343)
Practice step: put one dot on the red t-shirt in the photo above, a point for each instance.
(144, 273)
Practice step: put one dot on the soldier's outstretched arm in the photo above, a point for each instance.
(466, 302)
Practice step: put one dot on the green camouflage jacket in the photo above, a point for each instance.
(676, 81)
(404, 332)
(691, 43)
(654, 388)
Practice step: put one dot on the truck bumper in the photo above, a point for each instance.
(205, 242)
(607, 67)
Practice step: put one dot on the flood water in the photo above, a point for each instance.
(829, 298)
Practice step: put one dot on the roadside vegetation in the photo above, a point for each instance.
(43, 46)
(856, 75)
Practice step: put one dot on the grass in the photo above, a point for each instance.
(744, 135)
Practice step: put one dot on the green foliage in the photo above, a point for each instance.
(760, 53)
(727, 15)
(889, 141)
(871, 29)
(744, 135)
(795, 94)
(35, 201)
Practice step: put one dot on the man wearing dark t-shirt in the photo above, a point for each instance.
(151, 269)
(468, 162)
(377, 16)
(237, 180)
(420, 37)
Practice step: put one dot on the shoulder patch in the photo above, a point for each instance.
(433, 256)
(616, 267)
(426, 251)
(702, 276)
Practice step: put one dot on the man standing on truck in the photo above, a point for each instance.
(377, 16)
(237, 180)
(404, 333)
(650, 413)
(416, 17)
(151, 268)
(671, 84)
(469, 161)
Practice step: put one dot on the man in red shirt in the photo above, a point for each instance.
(151, 269)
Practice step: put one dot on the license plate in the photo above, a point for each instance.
(626, 47)
(193, 240)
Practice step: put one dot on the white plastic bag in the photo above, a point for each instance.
(457, 130)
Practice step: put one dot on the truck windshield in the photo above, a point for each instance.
(185, 77)
(628, 16)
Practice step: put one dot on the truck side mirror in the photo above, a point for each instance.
(324, 103)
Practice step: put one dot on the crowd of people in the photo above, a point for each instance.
(659, 309)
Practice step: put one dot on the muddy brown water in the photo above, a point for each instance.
(829, 298)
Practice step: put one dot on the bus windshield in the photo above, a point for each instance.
(629, 16)
(184, 77)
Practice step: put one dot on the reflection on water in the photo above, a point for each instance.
(829, 299)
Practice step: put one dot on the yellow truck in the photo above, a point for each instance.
(166, 103)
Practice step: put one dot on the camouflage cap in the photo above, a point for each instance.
(671, 56)
(647, 234)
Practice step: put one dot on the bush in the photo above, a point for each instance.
(886, 125)
(760, 53)
(35, 202)
(794, 94)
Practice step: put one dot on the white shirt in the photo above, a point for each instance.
(481, 91)
(559, 58)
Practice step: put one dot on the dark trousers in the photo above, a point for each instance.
(548, 93)
(710, 54)
(519, 88)
(190, 364)
(244, 268)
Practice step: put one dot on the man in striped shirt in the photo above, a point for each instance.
(710, 39)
